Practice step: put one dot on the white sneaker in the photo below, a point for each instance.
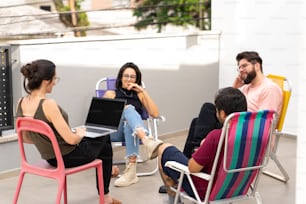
(151, 146)
(128, 177)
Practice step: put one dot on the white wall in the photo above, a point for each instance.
(277, 30)
(168, 63)
(180, 73)
(11, 2)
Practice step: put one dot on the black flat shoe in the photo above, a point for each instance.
(162, 189)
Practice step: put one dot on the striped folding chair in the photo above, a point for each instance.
(243, 151)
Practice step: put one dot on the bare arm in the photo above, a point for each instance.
(148, 103)
(193, 166)
(54, 115)
(145, 99)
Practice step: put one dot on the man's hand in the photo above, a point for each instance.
(238, 82)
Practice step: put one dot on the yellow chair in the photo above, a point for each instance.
(284, 84)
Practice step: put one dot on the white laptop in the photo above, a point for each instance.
(103, 116)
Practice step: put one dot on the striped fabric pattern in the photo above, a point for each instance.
(248, 136)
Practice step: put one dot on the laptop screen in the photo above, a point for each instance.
(104, 112)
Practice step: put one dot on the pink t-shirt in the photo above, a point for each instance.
(266, 95)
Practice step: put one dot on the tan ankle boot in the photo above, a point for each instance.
(151, 146)
(128, 177)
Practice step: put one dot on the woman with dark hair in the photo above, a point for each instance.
(128, 87)
(39, 79)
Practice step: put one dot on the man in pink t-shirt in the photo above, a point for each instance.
(261, 92)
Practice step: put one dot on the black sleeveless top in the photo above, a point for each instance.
(131, 97)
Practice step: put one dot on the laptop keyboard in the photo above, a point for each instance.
(95, 130)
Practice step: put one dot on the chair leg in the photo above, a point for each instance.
(273, 156)
(139, 160)
(20, 180)
(150, 172)
(65, 191)
(61, 189)
(100, 184)
(258, 198)
(285, 176)
(124, 161)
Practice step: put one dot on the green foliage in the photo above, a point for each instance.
(82, 19)
(159, 13)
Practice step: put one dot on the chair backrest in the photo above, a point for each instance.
(38, 126)
(110, 84)
(284, 84)
(241, 154)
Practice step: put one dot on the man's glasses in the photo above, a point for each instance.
(127, 76)
(243, 66)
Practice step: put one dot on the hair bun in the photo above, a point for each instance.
(29, 70)
(26, 70)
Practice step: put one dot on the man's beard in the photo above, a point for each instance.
(250, 77)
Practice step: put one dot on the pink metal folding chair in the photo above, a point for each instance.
(42, 168)
(243, 151)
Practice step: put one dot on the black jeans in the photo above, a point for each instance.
(200, 127)
(88, 150)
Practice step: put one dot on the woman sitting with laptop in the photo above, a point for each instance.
(39, 80)
(128, 87)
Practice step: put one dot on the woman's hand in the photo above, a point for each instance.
(135, 87)
(81, 131)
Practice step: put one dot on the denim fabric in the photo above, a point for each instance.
(130, 120)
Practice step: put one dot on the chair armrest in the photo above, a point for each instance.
(159, 118)
(184, 169)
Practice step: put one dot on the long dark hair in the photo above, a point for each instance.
(123, 68)
(35, 72)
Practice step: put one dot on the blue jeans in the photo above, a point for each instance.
(130, 120)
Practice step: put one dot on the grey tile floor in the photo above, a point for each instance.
(81, 187)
